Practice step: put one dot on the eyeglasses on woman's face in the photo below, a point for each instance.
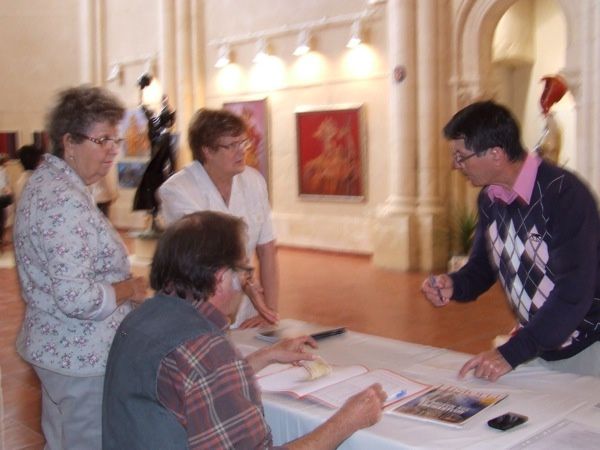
(242, 144)
(105, 142)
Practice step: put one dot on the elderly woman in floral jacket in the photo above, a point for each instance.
(73, 268)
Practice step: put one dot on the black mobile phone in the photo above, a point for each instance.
(507, 421)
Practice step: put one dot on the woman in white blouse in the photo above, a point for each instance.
(73, 267)
(219, 180)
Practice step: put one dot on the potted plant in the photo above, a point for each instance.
(463, 232)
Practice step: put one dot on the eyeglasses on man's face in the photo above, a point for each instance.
(243, 144)
(460, 159)
(245, 270)
(105, 142)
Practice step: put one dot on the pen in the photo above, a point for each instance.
(397, 395)
(433, 285)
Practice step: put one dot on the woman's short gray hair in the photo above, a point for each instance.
(78, 108)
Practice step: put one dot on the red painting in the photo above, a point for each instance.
(8, 143)
(330, 153)
(41, 140)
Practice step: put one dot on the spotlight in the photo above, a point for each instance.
(262, 51)
(115, 73)
(223, 56)
(304, 41)
(355, 35)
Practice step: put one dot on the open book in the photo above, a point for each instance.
(448, 405)
(343, 382)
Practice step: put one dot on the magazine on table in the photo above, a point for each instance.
(448, 405)
(339, 385)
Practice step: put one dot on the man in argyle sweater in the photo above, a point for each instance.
(539, 234)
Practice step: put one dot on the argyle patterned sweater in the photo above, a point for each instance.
(547, 258)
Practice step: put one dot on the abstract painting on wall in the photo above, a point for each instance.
(255, 115)
(331, 152)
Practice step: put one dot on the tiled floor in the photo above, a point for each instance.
(315, 286)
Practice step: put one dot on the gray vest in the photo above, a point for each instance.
(132, 417)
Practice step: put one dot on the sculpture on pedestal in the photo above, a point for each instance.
(162, 160)
(549, 143)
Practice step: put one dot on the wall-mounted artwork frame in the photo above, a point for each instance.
(134, 129)
(130, 173)
(41, 139)
(255, 115)
(9, 143)
(331, 146)
(136, 148)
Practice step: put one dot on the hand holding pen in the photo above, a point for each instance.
(437, 289)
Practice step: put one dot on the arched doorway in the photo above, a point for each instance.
(482, 69)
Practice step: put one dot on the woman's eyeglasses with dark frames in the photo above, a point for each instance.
(104, 142)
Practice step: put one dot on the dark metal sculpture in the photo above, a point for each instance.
(162, 161)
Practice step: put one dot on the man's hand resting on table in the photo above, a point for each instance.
(286, 351)
(489, 365)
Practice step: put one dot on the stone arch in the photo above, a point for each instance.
(475, 23)
(471, 63)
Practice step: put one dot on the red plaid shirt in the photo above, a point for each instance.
(211, 390)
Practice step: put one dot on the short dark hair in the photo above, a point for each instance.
(77, 109)
(208, 125)
(30, 156)
(484, 125)
(193, 249)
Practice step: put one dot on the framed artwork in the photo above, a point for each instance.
(136, 148)
(9, 142)
(130, 173)
(255, 115)
(331, 152)
(41, 140)
(134, 129)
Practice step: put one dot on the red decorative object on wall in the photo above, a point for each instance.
(9, 141)
(554, 89)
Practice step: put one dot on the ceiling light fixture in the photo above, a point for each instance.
(355, 34)
(262, 51)
(115, 74)
(304, 40)
(223, 56)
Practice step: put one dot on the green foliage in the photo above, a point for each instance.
(464, 230)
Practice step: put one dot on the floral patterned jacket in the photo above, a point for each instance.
(68, 255)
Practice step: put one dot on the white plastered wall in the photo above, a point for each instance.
(51, 44)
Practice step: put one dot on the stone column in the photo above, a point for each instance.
(198, 54)
(395, 228)
(432, 235)
(91, 33)
(167, 50)
(587, 96)
(183, 74)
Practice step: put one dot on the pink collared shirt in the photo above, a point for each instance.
(523, 187)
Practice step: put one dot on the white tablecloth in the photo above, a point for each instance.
(543, 395)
